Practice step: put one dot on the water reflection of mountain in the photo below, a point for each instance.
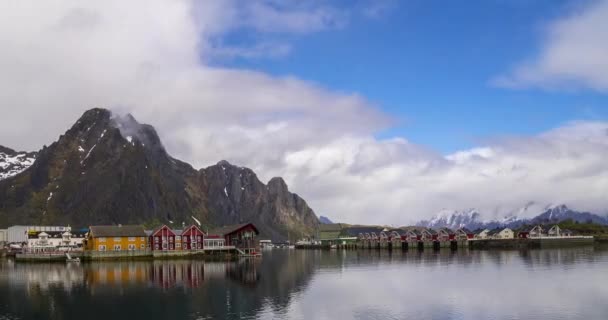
(159, 289)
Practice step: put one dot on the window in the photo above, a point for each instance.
(143, 239)
(131, 239)
(143, 246)
(185, 238)
(117, 239)
(117, 247)
(156, 239)
(178, 245)
(102, 239)
(178, 238)
(131, 247)
(102, 248)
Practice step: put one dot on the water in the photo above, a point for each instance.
(296, 284)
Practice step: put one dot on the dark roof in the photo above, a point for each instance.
(495, 231)
(465, 230)
(117, 231)
(447, 230)
(231, 228)
(354, 231)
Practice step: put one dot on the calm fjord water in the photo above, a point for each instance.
(294, 284)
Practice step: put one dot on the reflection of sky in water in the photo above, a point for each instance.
(541, 284)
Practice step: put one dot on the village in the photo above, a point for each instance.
(106, 242)
(365, 237)
(62, 243)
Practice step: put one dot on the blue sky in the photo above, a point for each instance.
(430, 65)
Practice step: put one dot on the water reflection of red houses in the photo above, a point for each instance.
(170, 274)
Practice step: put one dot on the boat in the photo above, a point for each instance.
(69, 258)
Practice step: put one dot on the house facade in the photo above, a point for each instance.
(446, 234)
(464, 234)
(555, 231)
(116, 238)
(192, 238)
(165, 239)
(505, 233)
(482, 234)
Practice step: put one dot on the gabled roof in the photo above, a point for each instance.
(496, 231)
(190, 227)
(232, 228)
(446, 230)
(163, 227)
(464, 230)
(117, 231)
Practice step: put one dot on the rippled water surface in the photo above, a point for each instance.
(297, 284)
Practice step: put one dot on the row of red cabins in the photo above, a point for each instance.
(416, 235)
(242, 236)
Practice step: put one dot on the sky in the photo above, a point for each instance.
(381, 112)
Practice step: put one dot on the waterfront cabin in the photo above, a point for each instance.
(482, 234)
(429, 235)
(116, 238)
(566, 233)
(505, 233)
(446, 234)
(464, 234)
(413, 235)
(164, 239)
(192, 238)
(241, 236)
(555, 231)
(536, 232)
(524, 233)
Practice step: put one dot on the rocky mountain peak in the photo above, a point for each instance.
(109, 168)
(14, 162)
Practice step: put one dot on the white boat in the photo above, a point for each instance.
(69, 258)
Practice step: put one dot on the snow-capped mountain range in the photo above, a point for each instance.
(13, 162)
(472, 218)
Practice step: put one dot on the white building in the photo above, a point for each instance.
(43, 241)
(505, 233)
(18, 234)
(3, 236)
(483, 234)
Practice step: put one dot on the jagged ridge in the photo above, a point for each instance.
(111, 169)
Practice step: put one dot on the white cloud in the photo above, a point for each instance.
(573, 54)
(150, 58)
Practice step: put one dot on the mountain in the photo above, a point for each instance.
(13, 162)
(471, 218)
(562, 212)
(109, 169)
(324, 220)
(454, 219)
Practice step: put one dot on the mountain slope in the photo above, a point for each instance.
(108, 170)
(13, 162)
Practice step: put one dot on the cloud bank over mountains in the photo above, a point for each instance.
(155, 59)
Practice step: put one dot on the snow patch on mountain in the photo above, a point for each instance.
(12, 163)
(531, 213)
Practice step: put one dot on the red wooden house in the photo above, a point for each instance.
(241, 236)
(162, 239)
(464, 234)
(192, 238)
(446, 234)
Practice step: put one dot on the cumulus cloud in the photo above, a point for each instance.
(152, 58)
(573, 54)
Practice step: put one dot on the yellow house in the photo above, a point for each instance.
(116, 238)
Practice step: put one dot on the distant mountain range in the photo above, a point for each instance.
(109, 169)
(325, 220)
(471, 218)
